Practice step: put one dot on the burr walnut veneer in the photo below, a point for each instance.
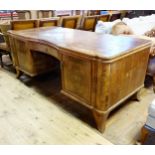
(99, 71)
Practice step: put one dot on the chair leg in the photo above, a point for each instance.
(1, 61)
(154, 83)
(10, 56)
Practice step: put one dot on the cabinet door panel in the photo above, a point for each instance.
(76, 78)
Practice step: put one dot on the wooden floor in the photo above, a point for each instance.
(32, 111)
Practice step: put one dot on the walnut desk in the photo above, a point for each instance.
(99, 71)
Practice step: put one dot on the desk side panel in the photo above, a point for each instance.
(118, 79)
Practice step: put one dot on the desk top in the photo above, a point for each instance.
(104, 46)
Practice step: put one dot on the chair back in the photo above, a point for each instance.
(93, 12)
(48, 22)
(72, 22)
(88, 23)
(115, 16)
(103, 18)
(78, 12)
(4, 28)
(45, 13)
(124, 14)
(24, 14)
(23, 24)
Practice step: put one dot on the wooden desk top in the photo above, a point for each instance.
(103, 46)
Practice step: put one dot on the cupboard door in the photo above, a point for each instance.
(76, 78)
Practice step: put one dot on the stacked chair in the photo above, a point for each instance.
(49, 22)
(45, 13)
(89, 22)
(24, 14)
(23, 24)
(115, 16)
(72, 22)
(4, 46)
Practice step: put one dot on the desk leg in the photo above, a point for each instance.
(1, 61)
(100, 119)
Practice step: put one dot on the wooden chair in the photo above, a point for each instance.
(4, 46)
(77, 12)
(72, 22)
(23, 24)
(48, 22)
(115, 16)
(1, 37)
(45, 13)
(24, 14)
(124, 13)
(103, 18)
(93, 12)
(89, 23)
